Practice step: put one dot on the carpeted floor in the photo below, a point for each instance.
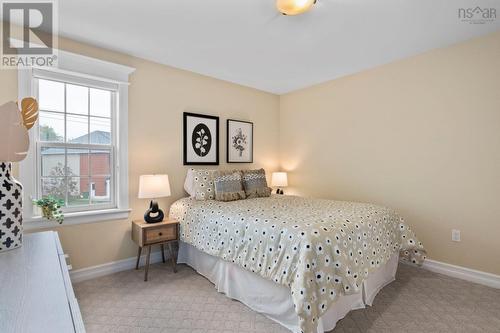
(418, 301)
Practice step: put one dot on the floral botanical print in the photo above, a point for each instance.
(202, 140)
(320, 249)
(239, 141)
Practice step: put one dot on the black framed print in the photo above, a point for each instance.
(201, 139)
(239, 141)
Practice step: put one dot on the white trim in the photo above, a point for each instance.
(55, 74)
(93, 272)
(92, 68)
(83, 217)
(27, 173)
(121, 148)
(471, 275)
(463, 273)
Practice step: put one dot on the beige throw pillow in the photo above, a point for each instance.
(204, 185)
(255, 183)
(228, 186)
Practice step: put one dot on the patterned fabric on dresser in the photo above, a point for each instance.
(255, 184)
(228, 186)
(204, 184)
(318, 248)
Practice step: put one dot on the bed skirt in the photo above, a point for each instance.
(274, 300)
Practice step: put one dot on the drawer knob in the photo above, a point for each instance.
(161, 234)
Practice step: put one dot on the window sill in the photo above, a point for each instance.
(38, 222)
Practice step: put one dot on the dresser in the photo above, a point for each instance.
(36, 294)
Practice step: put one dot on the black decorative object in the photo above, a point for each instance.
(239, 145)
(153, 210)
(11, 219)
(201, 139)
(279, 191)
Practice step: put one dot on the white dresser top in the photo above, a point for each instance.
(33, 294)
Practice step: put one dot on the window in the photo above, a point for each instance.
(78, 151)
(76, 145)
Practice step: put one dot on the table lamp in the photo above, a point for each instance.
(279, 179)
(153, 187)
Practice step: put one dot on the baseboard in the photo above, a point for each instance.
(463, 273)
(459, 272)
(93, 272)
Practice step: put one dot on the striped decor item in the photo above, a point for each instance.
(255, 184)
(228, 186)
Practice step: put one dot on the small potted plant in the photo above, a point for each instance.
(51, 208)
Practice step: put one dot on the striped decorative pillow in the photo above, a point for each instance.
(228, 186)
(255, 184)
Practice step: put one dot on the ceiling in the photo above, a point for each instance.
(249, 43)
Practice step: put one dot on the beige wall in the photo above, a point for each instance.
(158, 96)
(420, 135)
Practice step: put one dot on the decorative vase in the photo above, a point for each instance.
(11, 209)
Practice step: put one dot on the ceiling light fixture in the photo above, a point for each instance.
(294, 7)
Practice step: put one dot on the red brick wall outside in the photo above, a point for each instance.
(99, 166)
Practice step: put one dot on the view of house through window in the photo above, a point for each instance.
(75, 146)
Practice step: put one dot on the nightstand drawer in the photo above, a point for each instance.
(161, 234)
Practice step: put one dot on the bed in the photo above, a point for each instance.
(302, 262)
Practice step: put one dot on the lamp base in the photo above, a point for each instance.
(279, 191)
(153, 209)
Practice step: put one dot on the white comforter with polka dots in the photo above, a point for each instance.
(318, 248)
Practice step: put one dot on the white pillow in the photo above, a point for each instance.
(189, 183)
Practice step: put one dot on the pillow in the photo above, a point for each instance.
(204, 184)
(255, 184)
(189, 183)
(228, 186)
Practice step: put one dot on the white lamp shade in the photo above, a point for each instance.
(279, 179)
(154, 186)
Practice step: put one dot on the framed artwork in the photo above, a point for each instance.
(239, 141)
(201, 139)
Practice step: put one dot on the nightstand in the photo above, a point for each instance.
(148, 234)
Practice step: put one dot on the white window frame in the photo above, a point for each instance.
(38, 74)
(92, 72)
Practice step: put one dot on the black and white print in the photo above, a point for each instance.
(201, 139)
(204, 187)
(239, 141)
(11, 219)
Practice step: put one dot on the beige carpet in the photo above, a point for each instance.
(418, 301)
